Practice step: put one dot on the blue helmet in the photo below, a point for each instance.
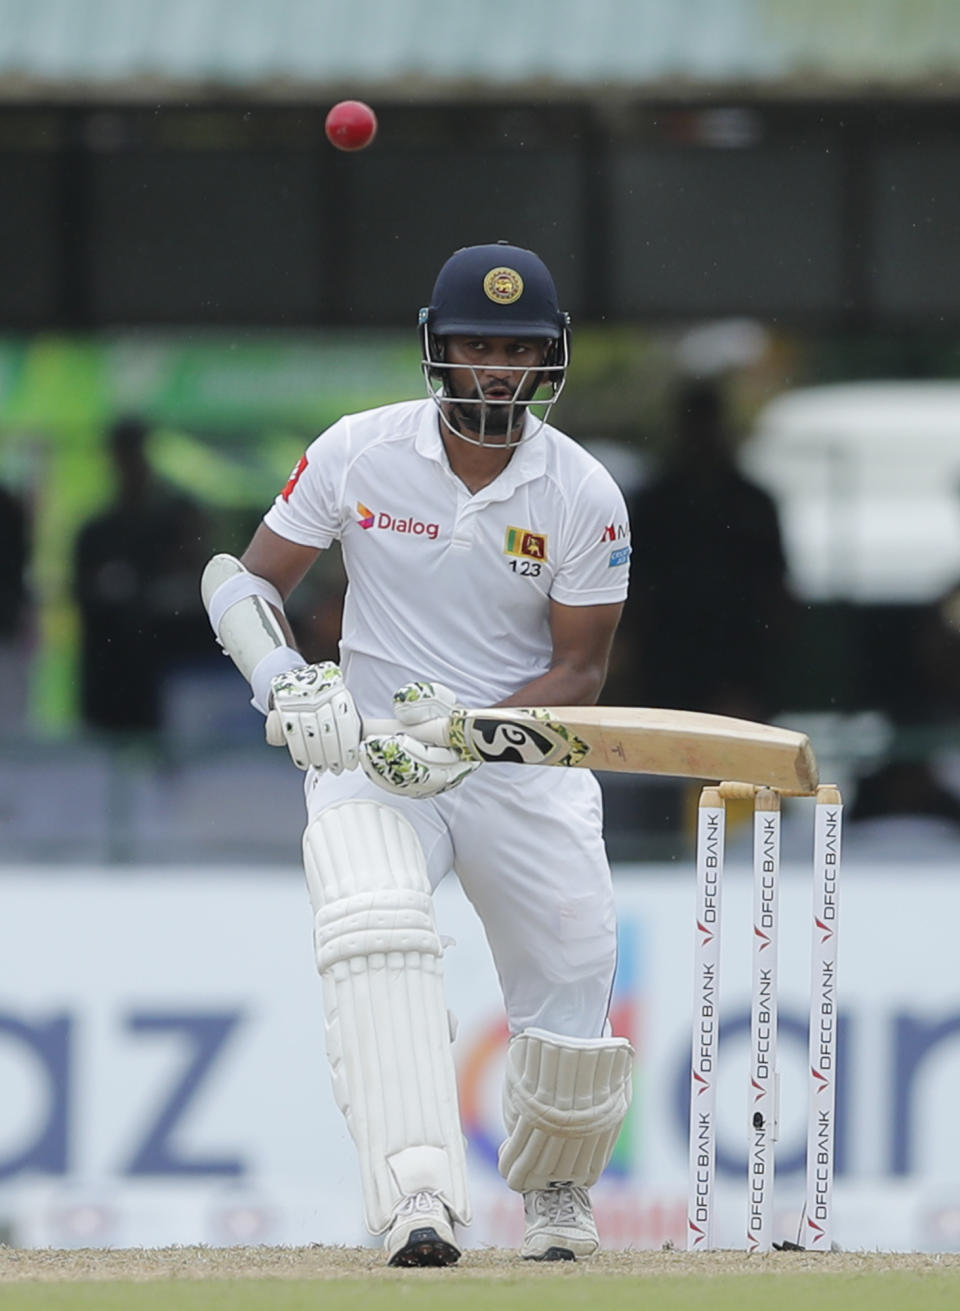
(496, 290)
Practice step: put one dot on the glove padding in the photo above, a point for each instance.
(402, 764)
(320, 723)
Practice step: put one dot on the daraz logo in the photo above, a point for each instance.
(416, 527)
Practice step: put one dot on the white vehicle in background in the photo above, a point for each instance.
(866, 476)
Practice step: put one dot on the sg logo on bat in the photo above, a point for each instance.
(541, 742)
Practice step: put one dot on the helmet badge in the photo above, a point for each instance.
(503, 286)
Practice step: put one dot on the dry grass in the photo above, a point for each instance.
(317, 1262)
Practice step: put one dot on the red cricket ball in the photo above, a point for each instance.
(350, 125)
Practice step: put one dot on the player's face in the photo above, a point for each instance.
(492, 381)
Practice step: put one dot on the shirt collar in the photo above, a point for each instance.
(529, 460)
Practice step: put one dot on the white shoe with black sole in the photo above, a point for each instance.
(560, 1224)
(421, 1233)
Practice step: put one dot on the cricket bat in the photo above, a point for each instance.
(628, 739)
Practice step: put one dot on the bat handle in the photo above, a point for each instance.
(433, 732)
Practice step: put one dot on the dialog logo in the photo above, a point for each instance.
(395, 523)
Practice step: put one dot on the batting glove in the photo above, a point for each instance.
(402, 764)
(319, 721)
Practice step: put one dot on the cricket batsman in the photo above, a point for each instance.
(487, 557)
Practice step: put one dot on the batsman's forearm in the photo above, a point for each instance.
(563, 685)
(246, 614)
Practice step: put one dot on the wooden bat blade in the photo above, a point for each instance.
(638, 740)
(625, 739)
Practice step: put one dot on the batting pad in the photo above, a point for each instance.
(388, 1036)
(564, 1102)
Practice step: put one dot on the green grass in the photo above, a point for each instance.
(893, 1290)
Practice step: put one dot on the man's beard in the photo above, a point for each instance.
(490, 420)
(494, 418)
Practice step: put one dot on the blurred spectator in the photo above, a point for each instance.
(933, 681)
(135, 572)
(906, 806)
(14, 548)
(902, 811)
(708, 595)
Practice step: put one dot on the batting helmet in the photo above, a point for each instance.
(495, 291)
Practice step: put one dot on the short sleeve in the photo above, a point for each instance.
(308, 509)
(595, 566)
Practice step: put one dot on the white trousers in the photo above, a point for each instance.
(527, 847)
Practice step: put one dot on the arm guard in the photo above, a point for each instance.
(239, 605)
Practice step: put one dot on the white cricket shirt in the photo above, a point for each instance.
(444, 584)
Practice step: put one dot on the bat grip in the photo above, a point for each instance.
(433, 732)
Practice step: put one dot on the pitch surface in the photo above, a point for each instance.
(295, 1279)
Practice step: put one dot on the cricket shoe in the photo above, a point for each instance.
(560, 1224)
(421, 1232)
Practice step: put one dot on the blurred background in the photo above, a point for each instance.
(752, 213)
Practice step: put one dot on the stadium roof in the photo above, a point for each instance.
(284, 49)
